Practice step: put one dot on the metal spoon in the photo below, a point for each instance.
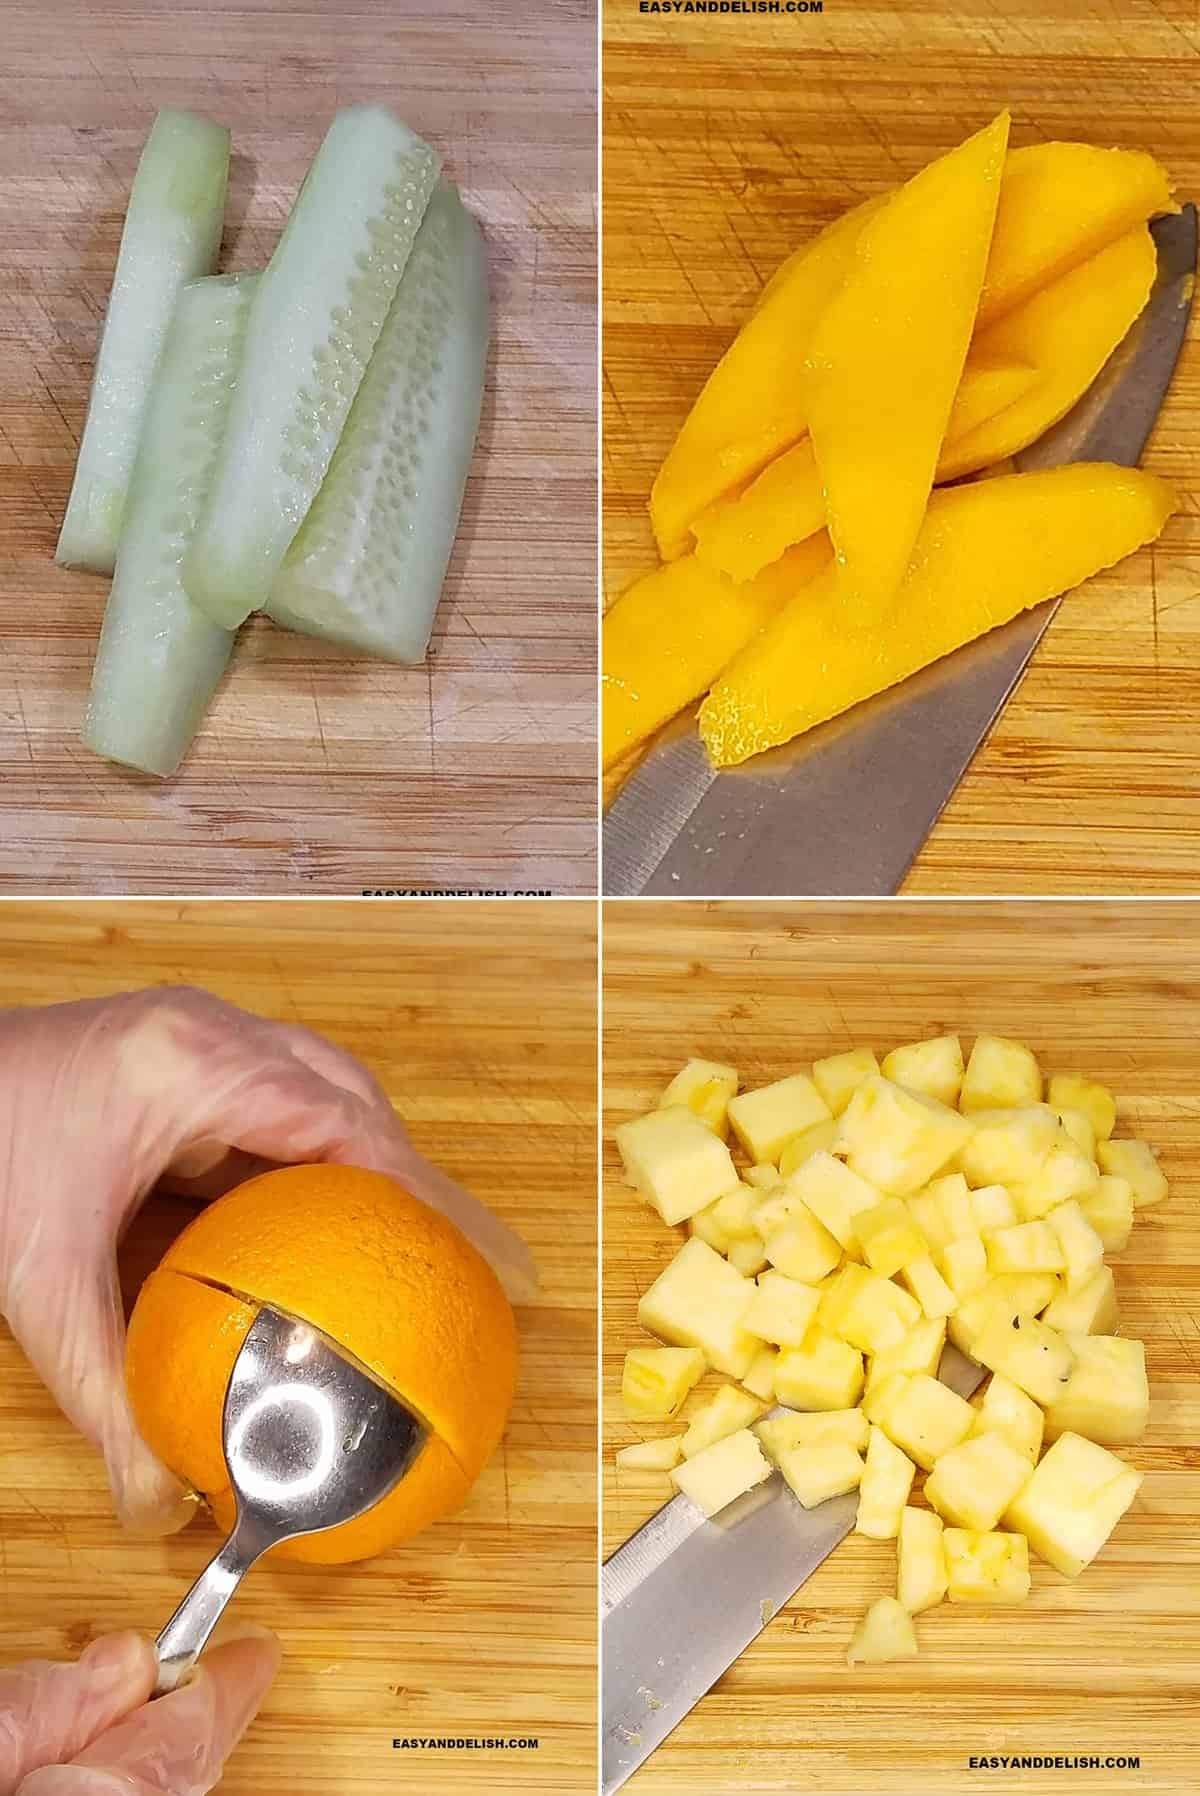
(310, 1441)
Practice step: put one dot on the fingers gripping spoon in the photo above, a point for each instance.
(310, 1442)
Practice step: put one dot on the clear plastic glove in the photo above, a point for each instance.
(90, 1730)
(102, 1099)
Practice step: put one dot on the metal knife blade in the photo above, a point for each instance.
(685, 1596)
(779, 825)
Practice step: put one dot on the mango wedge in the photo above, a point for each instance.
(669, 635)
(887, 357)
(985, 552)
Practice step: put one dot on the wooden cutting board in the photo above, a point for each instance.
(484, 1625)
(316, 770)
(728, 141)
(1108, 1664)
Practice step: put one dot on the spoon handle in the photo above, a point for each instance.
(186, 1634)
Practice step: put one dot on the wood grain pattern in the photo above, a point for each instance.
(484, 1625)
(315, 770)
(1108, 1664)
(729, 140)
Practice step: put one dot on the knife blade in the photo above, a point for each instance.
(780, 825)
(685, 1596)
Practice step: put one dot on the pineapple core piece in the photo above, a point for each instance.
(675, 1161)
(698, 1300)
(813, 1428)
(705, 1087)
(838, 1077)
(898, 1140)
(781, 1309)
(885, 1632)
(973, 1484)
(886, 1482)
(1137, 1163)
(1073, 1502)
(650, 1456)
(1000, 1075)
(765, 1120)
(922, 1416)
(814, 1474)
(722, 1472)
(824, 1373)
(921, 1572)
(727, 1410)
(934, 1068)
(1106, 1396)
(1035, 1357)
(986, 1567)
(655, 1381)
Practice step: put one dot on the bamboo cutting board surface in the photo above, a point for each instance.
(484, 1625)
(1106, 1664)
(316, 771)
(730, 140)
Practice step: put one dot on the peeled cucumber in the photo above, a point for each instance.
(314, 322)
(160, 658)
(172, 234)
(367, 565)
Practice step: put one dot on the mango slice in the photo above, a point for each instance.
(669, 635)
(986, 552)
(887, 357)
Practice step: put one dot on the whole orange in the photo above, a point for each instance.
(384, 1276)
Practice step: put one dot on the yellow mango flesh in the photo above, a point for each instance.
(669, 635)
(887, 357)
(986, 552)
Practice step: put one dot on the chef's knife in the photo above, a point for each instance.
(844, 809)
(683, 1597)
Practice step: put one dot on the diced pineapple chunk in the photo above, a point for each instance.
(1007, 1410)
(816, 1473)
(1106, 1398)
(1109, 1209)
(705, 1225)
(763, 1178)
(986, 1567)
(777, 1206)
(1082, 1248)
(675, 1161)
(927, 1215)
(813, 1428)
(921, 1560)
(1095, 1101)
(866, 1309)
(1035, 1357)
(1091, 1309)
(819, 1139)
(802, 1247)
(705, 1086)
(760, 1379)
(1000, 1075)
(993, 1207)
(722, 1472)
(765, 1120)
(735, 1212)
(886, 1482)
(1073, 1502)
(1066, 1172)
(823, 1374)
(1027, 1293)
(650, 1456)
(838, 1077)
(698, 1300)
(929, 1288)
(749, 1255)
(1079, 1128)
(834, 1195)
(1007, 1147)
(919, 1351)
(1136, 1162)
(934, 1068)
(973, 1484)
(655, 1381)
(898, 1140)
(1028, 1247)
(953, 1198)
(781, 1309)
(889, 1237)
(727, 1410)
(922, 1416)
(965, 1266)
(885, 1632)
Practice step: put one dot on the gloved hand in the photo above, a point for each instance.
(89, 1729)
(100, 1100)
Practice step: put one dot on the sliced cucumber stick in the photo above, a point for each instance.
(160, 658)
(315, 319)
(172, 234)
(368, 563)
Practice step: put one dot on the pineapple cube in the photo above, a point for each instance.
(802, 1247)
(802, 1147)
(922, 1416)
(763, 1178)
(934, 1068)
(1090, 1309)
(866, 1309)
(993, 1208)
(749, 1255)
(973, 1484)
(986, 1567)
(1006, 1410)
(953, 1198)
(675, 1161)
(1073, 1502)
(919, 1351)
(727, 1410)
(1082, 1248)
(722, 1472)
(650, 1456)
(889, 1237)
(765, 1120)
(655, 1381)
(929, 1288)
(1065, 1173)
(1106, 1398)
(1078, 1127)
(921, 1560)
(705, 1087)
(704, 1224)
(839, 1077)
(1008, 1146)
(781, 1309)
(886, 1482)
(760, 1379)
(1136, 1162)
(823, 1374)
(898, 1140)
(926, 1213)
(813, 1428)
(1035, 1357)
(1109, 1209)
(735, 1212)
(834, 1195)
(1095, 1101)
(1020, 1293)
(816, 1473)
(1000, 1075)
(885, 1632)
(1028, 1247)
(698, 1300)
(964, 1266)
